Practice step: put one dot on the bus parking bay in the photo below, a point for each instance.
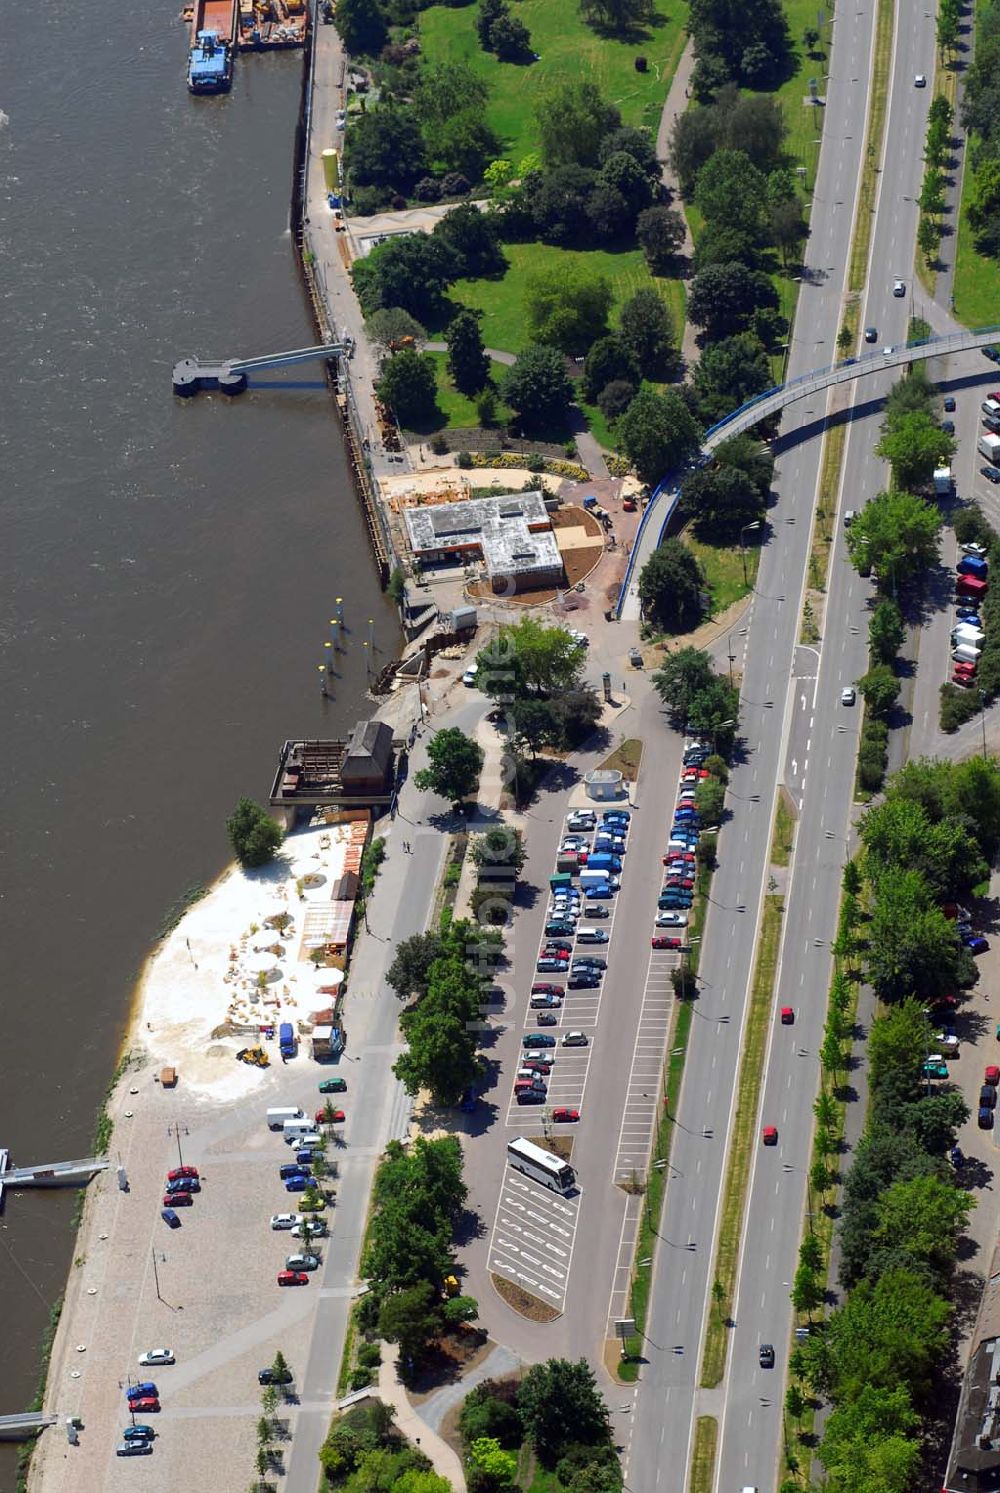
(534, 1232)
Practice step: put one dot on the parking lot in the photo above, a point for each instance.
(533, 1237)
(642, 1097)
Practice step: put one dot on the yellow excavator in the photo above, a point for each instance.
(255, 1056)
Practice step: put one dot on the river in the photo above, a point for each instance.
(167, 569)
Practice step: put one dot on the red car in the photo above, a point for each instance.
(695, 774)
(682, 883)
(628, 505)
(565, 1116)
(182, 1171)
(962, 679)
(544, 988)
(537, 1065)
(178, 1200)
(148, 1404)
(787, 1016)
(769, 1135)
(674, 856)
(292, 1278)
(968, 669)
(335, 1117)
(992, 1075)
(664, 941)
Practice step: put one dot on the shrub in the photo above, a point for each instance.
(535, 462)
(439, 443)
(491, 904)
(427, 189)
(369, 1355)
(957, 706)
(455, 185)
(463, 459)
(970, 526)
(360, 1378)
(253, 834)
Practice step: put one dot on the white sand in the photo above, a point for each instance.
(206, 972)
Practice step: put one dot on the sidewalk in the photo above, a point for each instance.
(675, 104)
(445, 1461)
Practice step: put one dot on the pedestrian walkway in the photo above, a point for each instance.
(674, 105)
(444, 1460)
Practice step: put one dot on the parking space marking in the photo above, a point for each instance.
(534, 1233)
(642, 1095)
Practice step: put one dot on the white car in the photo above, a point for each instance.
(671, 920)
(316, 1227)
(847, 696)
(155, 1356)
(285, 1220)
(898, 289)
(581, 819)
(919, 81)
(578, 636)
(575, 1039)
(974, 549)
(469, 677)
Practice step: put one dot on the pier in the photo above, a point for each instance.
(20, 1427)
(229, 375)
(49, 1173)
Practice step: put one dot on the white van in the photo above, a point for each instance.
(296, 1126)
(277, 1117)
(965, 653)
(306, 1137)
(592, 935)
(967, 632)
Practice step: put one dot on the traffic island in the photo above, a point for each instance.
(522, 1301)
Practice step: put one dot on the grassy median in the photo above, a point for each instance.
(744, 1137)
(706, 1437)
(870, 162)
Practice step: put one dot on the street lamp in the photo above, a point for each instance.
(743, 554)
(720, 726)
(982, 702)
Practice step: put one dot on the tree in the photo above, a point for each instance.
(533, 724)
(748, 43)
(984, 202)
(899, 833)
(362, 27)
(912, 945)
(467, 361)
(710, 796)
(923, 1217)
(253, 834)
(500, 851)
(692, 141)
(623, 173)
(472, 237)
(730, 373)
(561, 1405)
(557, 202)
(411, 1318)
(510, 38)
(856, 1436)
(724, 297)
(445, 89)
(647, 331)
(914, 444)
(408, 387)
(637, 143)
(386, 147)
(485, 1414)
(657, 433)
(886, 631)
(661, 234)
(880, 689)
(730, 189)
(567, 308)
(408, 973)
(896, 535)
(608, 361)
(537, 388)
(417, 1480)
(529, 658)
(458, 1310)
(607, 212)
(620, 17)
(488, 12)
(722, 500)
(455, 764)
(615, 398)
(441, 1050)
(392, 327)
(486, 1454)
(681, 678)
(576, 712)
(670, 587)
(410, 270)
(573, 120)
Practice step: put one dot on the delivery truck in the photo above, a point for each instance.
(942, 481)
(967, 632)
(973, 565)
(604, 861)
(286, 1040)
(989, 446)
(966, 653)
(970, 588)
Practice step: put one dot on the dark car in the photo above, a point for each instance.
(146, 1390)
(985, 1120)
(537, 1096)
(559, 930)
(547, 1018)
(292, 1169)
(178, 1199)
(871, 334)
(993, 353)
(948, 426)
(590, 961)
(766, 1356)
(271, 1376)
(992, 474)
(170, 1218)
(333, 1086)
(138, 1433)
(584, 979)
(987, 1097)
(183, 1184)
(536, 1040)
(949, 405)
(558, 946)
(547, 965)
(975, 943)
(596, 912)
(298, 1183)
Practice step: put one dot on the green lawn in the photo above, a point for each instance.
(568, 50)
(977, 279)
(501, 300)
(723, 567)
(458, 411)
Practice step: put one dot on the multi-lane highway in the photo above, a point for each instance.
(795, 728)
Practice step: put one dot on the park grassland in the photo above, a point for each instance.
(501, 300)
(977, 279)
(569, 52)
(458, 411)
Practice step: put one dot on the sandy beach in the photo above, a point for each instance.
(240, 959)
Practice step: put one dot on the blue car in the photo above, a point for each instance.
(170, 1218)
(966, 614)
(304, 1158)
(600, 893)
(975, 943)
(292, 1169)
(616, 816)
(298, 1183)
(146, 1390)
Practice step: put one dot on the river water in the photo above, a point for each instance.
(167, 568)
